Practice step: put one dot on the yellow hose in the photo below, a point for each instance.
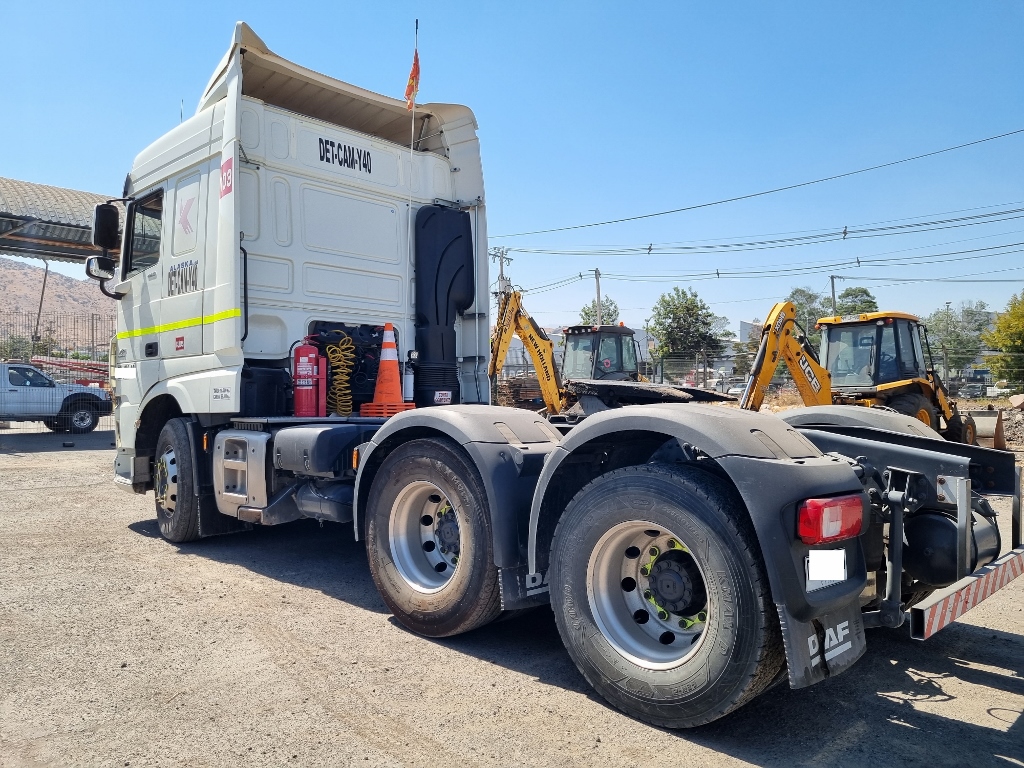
(341, 356)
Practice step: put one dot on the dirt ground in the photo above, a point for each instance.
(272, 648)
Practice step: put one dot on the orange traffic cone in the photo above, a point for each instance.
(387, 395)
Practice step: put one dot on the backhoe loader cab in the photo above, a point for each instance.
(864, 354)
(878, 359)
(600, 352)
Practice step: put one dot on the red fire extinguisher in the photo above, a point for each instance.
(309, 378)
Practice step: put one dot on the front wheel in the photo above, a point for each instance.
(80, 419)
(916, 405)
(428, 539)
(177, 505)
(660, 595)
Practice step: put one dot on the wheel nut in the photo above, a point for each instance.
(672, 543)
(645, 570)
(653, 551)
(663, 614)
(647, 594)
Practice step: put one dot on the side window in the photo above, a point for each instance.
(27, 377)
(147, 215)
(888, 366)
(908, 365)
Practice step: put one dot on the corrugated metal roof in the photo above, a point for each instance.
(53, 205)
(44, 222)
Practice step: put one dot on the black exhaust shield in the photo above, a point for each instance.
(444, 290)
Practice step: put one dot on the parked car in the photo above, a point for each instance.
(972, 391)
(28, 394)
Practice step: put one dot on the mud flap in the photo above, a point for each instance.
(211, 521)
(822, 647)
(516, 594)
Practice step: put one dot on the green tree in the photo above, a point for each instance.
(855, 300)
(609, 312)
(810, 306)
(685, 325)
(746, 349)
(1007, 336)
(955, 334)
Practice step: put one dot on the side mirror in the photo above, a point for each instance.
(100, 267)
(105, 222)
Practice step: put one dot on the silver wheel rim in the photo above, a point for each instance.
(165, 481)
(82, 418)
(645, 589)
(426, 542)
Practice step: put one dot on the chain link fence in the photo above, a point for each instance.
(54, 372)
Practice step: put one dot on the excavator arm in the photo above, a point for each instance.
(513, 320)
(780, 341)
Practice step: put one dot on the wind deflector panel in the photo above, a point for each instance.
(444, 290)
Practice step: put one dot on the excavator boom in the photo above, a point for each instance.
(514, 321)
(779, 340)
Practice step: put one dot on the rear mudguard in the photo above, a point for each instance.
(507, 445)
(774, 468)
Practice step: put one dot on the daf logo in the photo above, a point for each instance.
(834, 643)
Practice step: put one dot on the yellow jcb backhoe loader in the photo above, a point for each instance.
(874, 359)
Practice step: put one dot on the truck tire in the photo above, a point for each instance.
(177, 505)
(661, 597)
(917, 405)
(428, 539)
(80, 418)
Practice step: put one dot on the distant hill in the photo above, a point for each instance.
(20, 282)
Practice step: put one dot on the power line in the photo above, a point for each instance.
(764, 192)
(835, 235)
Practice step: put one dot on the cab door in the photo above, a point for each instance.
(139, 309)
(183, 267)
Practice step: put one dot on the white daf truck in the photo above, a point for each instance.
(693, 555)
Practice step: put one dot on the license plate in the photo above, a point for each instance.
(824, 567)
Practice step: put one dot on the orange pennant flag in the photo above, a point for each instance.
(414, 81)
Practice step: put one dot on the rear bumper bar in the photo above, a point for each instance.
(945, 606)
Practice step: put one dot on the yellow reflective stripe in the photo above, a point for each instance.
(227, 314)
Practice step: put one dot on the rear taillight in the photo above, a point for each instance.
(819, 521)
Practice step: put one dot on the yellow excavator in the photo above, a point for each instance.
(873, 359)
(599, 364)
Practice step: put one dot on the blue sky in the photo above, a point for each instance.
(593, 111)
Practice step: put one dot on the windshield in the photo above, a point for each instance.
(849, 355)
(579, 357)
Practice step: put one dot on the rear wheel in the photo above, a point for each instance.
(917, 405)
(177, 505)
(662, 599)
(428, 539)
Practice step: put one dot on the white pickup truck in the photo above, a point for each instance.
(28, 394)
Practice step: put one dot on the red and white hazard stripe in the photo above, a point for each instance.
(945, 607)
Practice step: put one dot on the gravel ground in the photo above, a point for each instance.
(273, 648)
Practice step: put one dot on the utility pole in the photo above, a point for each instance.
(501, 256)
(833, 279)
(42, 293)
(597, 279)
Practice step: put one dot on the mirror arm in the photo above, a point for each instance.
(109, 294)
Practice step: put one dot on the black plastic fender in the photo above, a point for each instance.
(507, 445)
(772, 466)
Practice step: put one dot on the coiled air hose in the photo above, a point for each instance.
(341, 357)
